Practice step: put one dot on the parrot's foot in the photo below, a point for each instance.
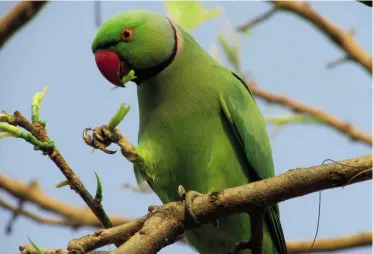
(101, 138)
(255, 244)
(241, 246)
(187, 199)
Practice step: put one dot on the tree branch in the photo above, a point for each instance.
(367, 3)
(71, 216)
(17, 17)
(331, 244)
(256, 21)
(340, 38)
(38, 131)
(343, 127)
(29, 249)
(37, 218)
(321, 245)
(165, 224)
(335, 172)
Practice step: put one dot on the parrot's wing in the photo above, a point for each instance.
(241, 111)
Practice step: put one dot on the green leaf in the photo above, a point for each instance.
(292, 119)
(5, 135)
(214, 51)
(35, 108)
(12, 131)
(99, 195)
(5, 117)
(231, 48)
(62, 184)
(190, 14)
(130, 76)
(119, 116)
(38, 250)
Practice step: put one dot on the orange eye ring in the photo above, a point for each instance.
(127, 34)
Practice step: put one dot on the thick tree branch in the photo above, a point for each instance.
(125, 231)
(321, 245)
(343, 127)
(340, 38)
(17, 17)
(71, 216)
(166, 223)
(331, 244)
(28, 249)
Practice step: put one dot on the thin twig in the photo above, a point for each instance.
(257, 20)
(97, 8)
(331, 244)
(340, 38)
(34, 216)
(17, 17)
(343, 127)
(367, 3)
(336, 62)
(18, 210)
(39, 132)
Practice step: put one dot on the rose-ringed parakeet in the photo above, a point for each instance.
(200, 126)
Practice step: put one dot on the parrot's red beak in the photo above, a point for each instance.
(110, 66)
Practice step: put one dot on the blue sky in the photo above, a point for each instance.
(284, 55)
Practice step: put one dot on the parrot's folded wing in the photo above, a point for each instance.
(242, 113)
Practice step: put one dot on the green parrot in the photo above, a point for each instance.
(200, 126)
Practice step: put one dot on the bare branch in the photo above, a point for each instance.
(165, 224)
(367, 3)
(17, 17)
(107, 236)
(28, 249)
(341, 60)
(71, 216)
(97, 13)
(257, 20)
(35, 217)
(360, 240)
(331, 244)
(343, 127)
(340, 38)
(18, 210)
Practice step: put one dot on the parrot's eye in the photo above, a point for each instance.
(127, 35)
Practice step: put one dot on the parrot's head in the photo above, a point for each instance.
(138, 40)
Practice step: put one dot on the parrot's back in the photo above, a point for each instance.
(187, 137)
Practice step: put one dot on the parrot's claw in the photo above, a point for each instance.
(238, 247)
(101, 138)
(187, 199)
